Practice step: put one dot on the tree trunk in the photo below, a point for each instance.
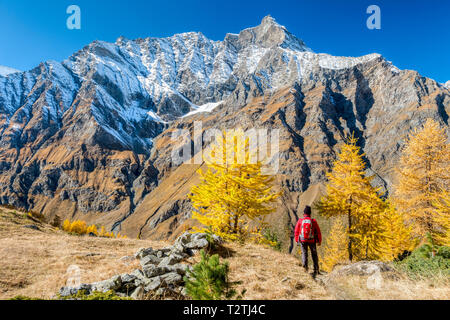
(236, 221)
(428, 218)
(367, 250)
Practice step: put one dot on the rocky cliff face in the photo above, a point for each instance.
(90, 137)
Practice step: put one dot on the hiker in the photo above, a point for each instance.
(307, 234)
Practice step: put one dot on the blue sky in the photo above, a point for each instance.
(414, 34)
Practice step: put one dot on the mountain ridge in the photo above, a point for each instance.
(90, 137)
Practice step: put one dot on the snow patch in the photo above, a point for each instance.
(447, 84)
(5, 71)
(208, 107)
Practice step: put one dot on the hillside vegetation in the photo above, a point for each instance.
(35, 264)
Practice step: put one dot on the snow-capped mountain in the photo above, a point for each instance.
(90, 136)
(155, 80)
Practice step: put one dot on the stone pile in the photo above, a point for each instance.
(161, 273)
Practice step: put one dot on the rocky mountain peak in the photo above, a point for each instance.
(271, 34)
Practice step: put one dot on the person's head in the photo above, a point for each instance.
(307, 210)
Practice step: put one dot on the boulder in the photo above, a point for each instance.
(143, 252)
(153, 284)
(128, 282)
(363, 268)
(170, 261)
(189, 243)
(184, 239)
(138, 293)
(114, 284)
(198, 243)
(166, 249)
(139, 274)
(149, 260)
(172, 279)
(178, 248)
(179, 268)
(127, 278)
(151, 271)
(68, 291)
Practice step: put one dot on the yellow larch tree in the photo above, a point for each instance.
(233, 191)
(423, 177)
(443, 219)
(400, 234)
(336, 244)
(369, 217)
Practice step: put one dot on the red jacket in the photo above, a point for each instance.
(316, 230)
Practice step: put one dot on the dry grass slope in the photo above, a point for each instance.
(355, 288)
(272, 275)
(34, 263)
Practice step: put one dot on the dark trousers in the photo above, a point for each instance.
(315, 258)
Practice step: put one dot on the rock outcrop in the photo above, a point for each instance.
(161, 272)
(363, 275)
(363, 268)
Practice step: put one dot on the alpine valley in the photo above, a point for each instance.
(90, 138)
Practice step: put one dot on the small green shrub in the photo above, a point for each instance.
(444, 252)
(209, 280)
(422, 263)
(81, 295)
(212, 245)
(272, 238)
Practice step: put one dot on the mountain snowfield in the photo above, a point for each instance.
(447, 84)
(4, 71)
(90, 137)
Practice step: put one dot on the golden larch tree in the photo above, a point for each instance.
(233, 191)
(443, 219)
(423, 176)
(336, 244)
(400, 234)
